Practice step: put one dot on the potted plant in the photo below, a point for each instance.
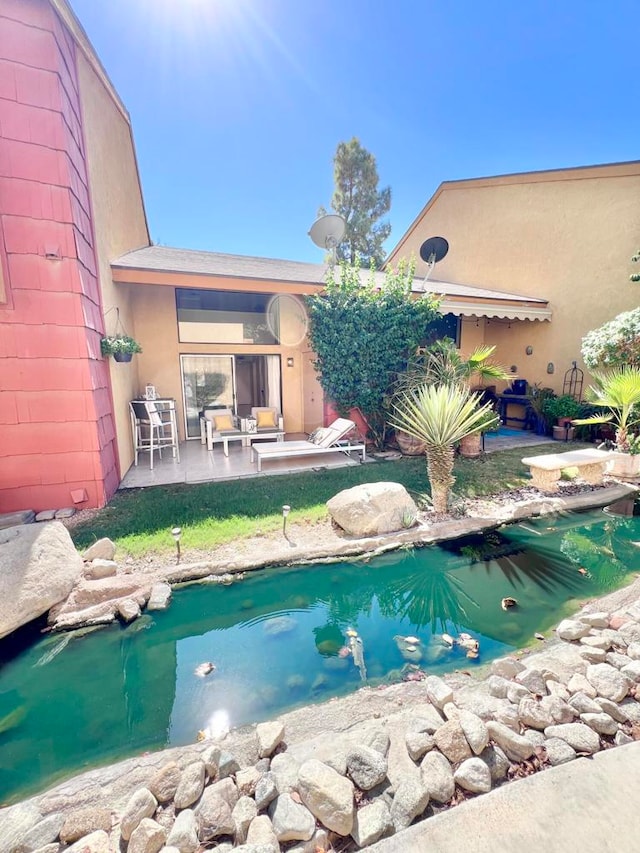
(537, 400)
(562, 410)
(618, 393)
(470, 445)
(121, 347)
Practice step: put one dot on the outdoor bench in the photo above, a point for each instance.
(546, 470)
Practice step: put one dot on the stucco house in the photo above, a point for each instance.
(534, 261)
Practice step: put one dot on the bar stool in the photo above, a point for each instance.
(151, 431)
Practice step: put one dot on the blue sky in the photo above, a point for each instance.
(238, 105)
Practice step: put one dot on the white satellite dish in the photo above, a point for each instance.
(327, 232)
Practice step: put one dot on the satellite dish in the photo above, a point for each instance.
(327, 232)
(433, 250)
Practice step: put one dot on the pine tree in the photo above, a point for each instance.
(358, 200)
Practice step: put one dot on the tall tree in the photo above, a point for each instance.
(358, 200)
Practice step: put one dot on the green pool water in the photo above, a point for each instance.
(74, 701)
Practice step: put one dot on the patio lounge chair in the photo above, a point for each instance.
(327, 440)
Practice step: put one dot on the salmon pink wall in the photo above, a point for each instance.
(57, 438)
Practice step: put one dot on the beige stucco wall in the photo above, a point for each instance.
(154, 307)
(119, 226)
(564, 236)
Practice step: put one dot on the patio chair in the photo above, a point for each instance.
(268, 419)
(152, 430)
(325, 440)
(211, 423)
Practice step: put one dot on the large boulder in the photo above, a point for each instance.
(372, 509)
(38, 568)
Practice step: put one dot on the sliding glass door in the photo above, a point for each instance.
(236, 382)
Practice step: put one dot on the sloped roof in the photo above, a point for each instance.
(193, 262)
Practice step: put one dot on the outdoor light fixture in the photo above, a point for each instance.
(529, 350)
(176, 532)
(290, 361)
(550, 367)
(286, 509)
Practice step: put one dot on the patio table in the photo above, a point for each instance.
(247, 438)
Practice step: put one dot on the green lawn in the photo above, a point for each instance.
(210, 514)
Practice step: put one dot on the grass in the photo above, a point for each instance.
(211, 514)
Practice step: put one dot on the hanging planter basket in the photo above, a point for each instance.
(122, 356)
(122, 347)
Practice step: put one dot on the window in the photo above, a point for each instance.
(227, 317)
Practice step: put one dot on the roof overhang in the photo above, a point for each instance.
(504, 311)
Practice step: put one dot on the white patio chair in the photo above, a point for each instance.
(209, 431)
(272, 420)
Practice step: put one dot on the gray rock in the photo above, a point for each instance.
(21, 516)
(557, 689)
(16, 822)
(49, 848)
(533, 735)
(516, 747)
(428, 720)
(595, 620)
(602, 723)
(507, 667)
(611, 709)
(633, 651)
(508, 716)
(165, 783)
(371, 823)
(255, 848)
(211, 758)
(622, 738)
(597, 641)
(246, 781)
(38, 569)
(141, 804)
(128, 609)
(100, 569)
(103, 549)
(630, 709)
(534, 714)
(327, 795)
(44, 515)
(285, 769)
(270, 736)
(147, 837)
(632, 670)
(224, 788)
(367, 767)
(593, 655)
(266, 790)
(84, 821)
(497, 762)
(191, 785)
(66, 512)
(44, 832)
(608, 681)
(473, 775)
(630, 631)
(261, 834)
(184, 833)
(438, 691)
(419, 743)
(372, 509)
(409, 802)
(451, 742)
(584, 704)
(579, 684)
(517, 692)
(616, 659)
(437, 777)
(498, 686)
(291, 821)
(577, 735)
(533, 680)
(227, 765)
(159, 597)
(243, 813)
(572, 629)
(377, 739)
(559, 751)
(213, 816)
(96, 842)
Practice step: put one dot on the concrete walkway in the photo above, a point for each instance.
(590, 805)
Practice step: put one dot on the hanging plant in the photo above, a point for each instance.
(121, 347)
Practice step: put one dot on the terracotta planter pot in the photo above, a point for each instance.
(624, 465)
(409, 445)
(471, 445)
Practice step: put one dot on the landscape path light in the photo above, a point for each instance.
(286, 509)
(176, 532)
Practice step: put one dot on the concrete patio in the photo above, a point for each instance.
(198, 465)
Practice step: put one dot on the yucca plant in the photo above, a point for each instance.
(617, 391)
(440, 416)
